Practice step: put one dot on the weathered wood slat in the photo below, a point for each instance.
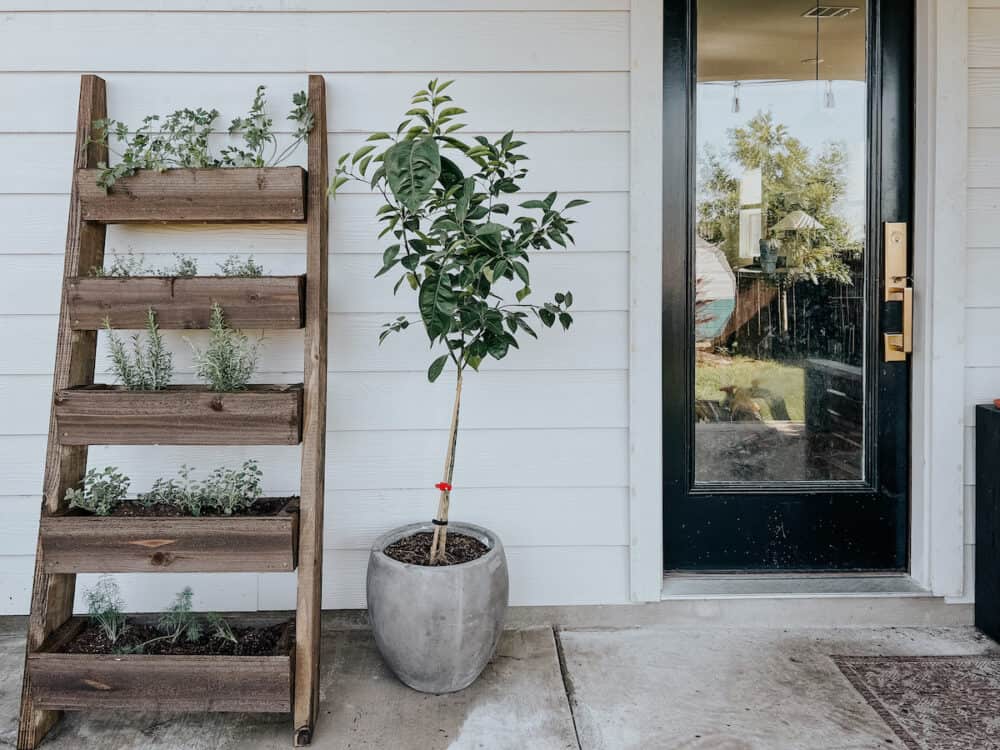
(167, 683)
(52, 595)
(269, 195)
(309, 591)
(152, 544)
(179, 415)
(272, 302)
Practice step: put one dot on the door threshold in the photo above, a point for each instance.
(683, 585)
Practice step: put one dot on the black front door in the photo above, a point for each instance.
(787, 181)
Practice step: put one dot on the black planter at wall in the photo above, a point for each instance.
(988, 520)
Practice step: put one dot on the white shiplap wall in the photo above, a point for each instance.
(543, 457)
(982, 302)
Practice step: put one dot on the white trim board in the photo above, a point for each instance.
(645, 264)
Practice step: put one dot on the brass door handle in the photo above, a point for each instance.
(898, 289)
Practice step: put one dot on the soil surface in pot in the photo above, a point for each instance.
(131, 509)
(261, 641)
(416, 549)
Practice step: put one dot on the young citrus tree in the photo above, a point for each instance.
(456, 242)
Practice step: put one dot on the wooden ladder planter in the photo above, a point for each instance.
(274, 302)
(179, 415)
(79, 543)
(140, 682)
(85, 414)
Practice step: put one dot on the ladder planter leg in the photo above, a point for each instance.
(310, 578)
(52, 595)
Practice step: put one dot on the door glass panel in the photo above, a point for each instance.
(779, 280)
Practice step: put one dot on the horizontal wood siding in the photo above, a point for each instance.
(982, 300)
(545, 432)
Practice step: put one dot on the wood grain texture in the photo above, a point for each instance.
(168, 683)
(52, 595)
(210, 544)
(272, 194)
(179, 415)
(270, 302)
(310, 572)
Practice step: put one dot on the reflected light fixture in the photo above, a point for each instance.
(736, 97)
(828, 99)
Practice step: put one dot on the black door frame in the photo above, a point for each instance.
(725, 527)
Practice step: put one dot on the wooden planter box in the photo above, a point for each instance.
(179, 415)
(150, 544)
(61, 681)
(266, 302)
(270, 194)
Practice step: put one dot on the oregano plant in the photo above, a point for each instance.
(458, 243)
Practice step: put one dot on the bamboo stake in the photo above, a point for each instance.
(440, 540)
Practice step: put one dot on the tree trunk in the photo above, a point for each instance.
(440, 540)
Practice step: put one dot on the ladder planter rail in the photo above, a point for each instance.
(80, 543)
(85, 414)
(179, 415)
(219, 195)
(63, 681)
(274, 302)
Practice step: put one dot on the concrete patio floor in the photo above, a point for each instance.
(675, 688)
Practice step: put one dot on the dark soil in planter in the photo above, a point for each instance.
(259, 641)
(264, 507)
(416, 549)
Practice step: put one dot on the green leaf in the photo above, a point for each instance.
(361, 153)
(436, 367)
(566, 320)
(547, 317)
(576, 202)
(522, 271)
(378, 137)
(436, 301)
(450, 173)
(412, 168)
(522, 293)
(533, 204)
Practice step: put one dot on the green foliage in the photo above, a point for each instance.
(219, 628)
(149, 366)
(179, 619)
(100, 491)
(226, 491)
(257, 131)
(184, 267)
(124, 266)
(235, 266)
(181, 139)
(791, 178)
(229, 360)
(104, 607)
(452, 236)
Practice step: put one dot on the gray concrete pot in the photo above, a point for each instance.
(437, 627)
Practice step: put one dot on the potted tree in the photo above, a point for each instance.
(437, 591)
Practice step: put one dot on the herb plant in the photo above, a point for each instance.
(184, 267)
(179, 619)
(455, 243)
(236, 266)
(220, 628)
(181, 139)
(229, 360)
(124, 266)
(225, 491)
(104, 607)
(149, 366)
(100, 491)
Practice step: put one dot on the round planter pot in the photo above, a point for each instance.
(437, 627)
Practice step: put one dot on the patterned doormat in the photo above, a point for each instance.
(932, 702)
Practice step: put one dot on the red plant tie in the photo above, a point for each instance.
(443, 486)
